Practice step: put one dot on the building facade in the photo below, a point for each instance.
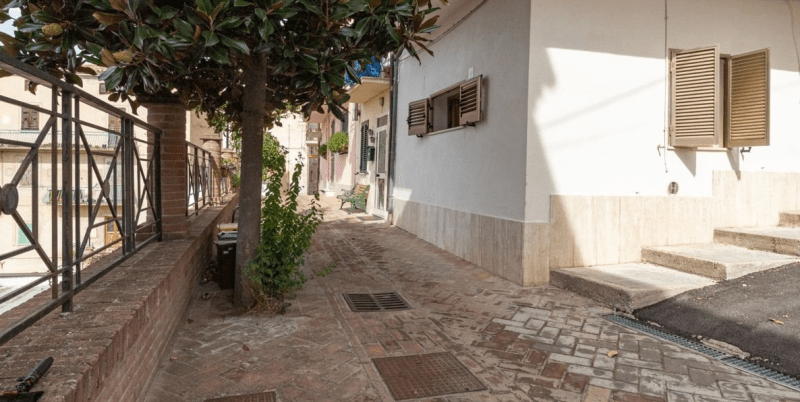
(598, 128)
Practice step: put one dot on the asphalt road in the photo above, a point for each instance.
(738, 312)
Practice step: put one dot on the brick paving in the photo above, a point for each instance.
(534, 343)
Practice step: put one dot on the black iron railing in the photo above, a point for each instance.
(127, 201)
(200, 174)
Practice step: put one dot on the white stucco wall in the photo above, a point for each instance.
(597, 94)
(477, 169)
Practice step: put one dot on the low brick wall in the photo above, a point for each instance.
(109, 347)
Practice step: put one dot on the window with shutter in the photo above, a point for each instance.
(695, 102)
(30, 119)
(748, 100)
(470, 103)
(362, 167)
(418, 117)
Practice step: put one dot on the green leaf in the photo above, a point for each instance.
(184, 28)
(265, 29)
(219, 54)
(241, 3)
(261, 13)
(211, 38)
(39, 47)
(235, 44)
(113, 79)
(205, 6)
(229, 22)
(311, 7)
(139, 36)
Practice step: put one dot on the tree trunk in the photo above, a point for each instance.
(250, 181)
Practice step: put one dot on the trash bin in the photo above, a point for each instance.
(226, 257)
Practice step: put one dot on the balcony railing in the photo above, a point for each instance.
(200, 174)
(134, 204)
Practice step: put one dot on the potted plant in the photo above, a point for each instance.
(338, 142)
(323, 151)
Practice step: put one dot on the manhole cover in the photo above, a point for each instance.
(420, 376)
(260, 397)
(360, 302)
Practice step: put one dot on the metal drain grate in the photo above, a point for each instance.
(362, 302)
(420, 376)
(744, 365)
(260, 397)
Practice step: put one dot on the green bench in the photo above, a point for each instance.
(357, 197)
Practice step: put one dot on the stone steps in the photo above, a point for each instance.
(716, 261)
(627, 287)
(790, 219)
(670, 270)
(782, 240)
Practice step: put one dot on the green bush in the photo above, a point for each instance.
(338, 142)
(285, 234)
(323, 150)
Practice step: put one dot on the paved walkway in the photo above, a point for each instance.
(540, 344)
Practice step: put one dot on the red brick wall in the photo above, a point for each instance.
(109, 347)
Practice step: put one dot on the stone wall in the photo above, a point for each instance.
(109, 347)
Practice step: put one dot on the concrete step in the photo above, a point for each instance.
(782, 240)
(627, 287)
(790, 219)
(716, 260)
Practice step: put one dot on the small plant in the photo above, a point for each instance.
(338, 142)
(285, 234)
(235, 180)
(323, 150)
(327, 270)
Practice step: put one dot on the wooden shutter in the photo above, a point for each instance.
(694, 93)
(748, 100)
(418, 116)
(362, 166)
(470, 101)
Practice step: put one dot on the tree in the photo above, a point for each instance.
(245, 58)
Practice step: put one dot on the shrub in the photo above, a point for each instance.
(285, 234)
(338, 142)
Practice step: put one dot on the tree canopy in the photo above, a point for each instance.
(195, 51)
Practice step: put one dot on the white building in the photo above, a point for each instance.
(590, 115)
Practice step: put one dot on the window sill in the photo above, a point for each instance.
(447, 130)
(700, 149)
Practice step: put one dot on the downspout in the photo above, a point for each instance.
(393, 142)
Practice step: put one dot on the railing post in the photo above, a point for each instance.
(128, 208)
(66, 197)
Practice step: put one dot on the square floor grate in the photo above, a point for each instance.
(361, 302)
(420, 376)
(260, 397)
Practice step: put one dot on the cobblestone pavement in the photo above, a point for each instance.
(534, 343)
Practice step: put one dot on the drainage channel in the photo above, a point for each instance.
(733, 361)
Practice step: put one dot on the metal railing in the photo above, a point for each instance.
(134, 210)
(200, 174)
(95, 139)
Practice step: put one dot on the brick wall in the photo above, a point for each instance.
(109, 347)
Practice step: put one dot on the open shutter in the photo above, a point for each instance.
(470, 101)
(694, 94)
(418, 116)
(748, 100)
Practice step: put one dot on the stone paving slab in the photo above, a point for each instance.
(524, 344)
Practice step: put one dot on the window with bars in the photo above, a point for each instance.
(455, 106)
(718, 99)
